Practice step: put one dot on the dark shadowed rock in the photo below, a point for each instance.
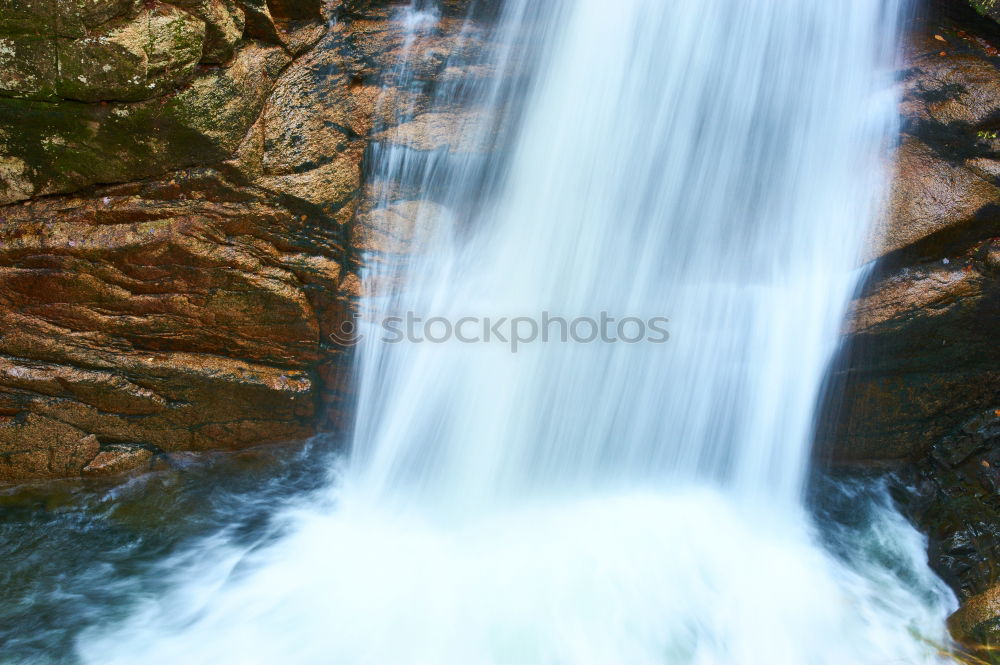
(921, 354)
(917, 385)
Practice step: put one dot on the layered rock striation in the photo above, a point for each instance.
(179, 238)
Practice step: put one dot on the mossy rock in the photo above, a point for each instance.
(224, 24)
(59, 18)
(990, 8)
(66, 145)
(28, 66)
(134, 59)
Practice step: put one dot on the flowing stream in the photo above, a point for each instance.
(706, 168)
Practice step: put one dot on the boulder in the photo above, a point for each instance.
(931, 194)
(977, 622)
(116, 459)
(917, 383)
(60, 18)
(920, 356)
(195, 304)
(179, 314)
(63, 146)
(131, 60)
(224, 23)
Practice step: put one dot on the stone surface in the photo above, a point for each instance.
(28, 66)
(451, 131)
(194, 306)
(224, 22)
(921, 354)
(918, 379)
(131, 60)
(35, 447)
(179, 314)
(62, 18)
(63, 146)
(114, 460)
(118, 90)
(952, 493)
(931, 195)
(976, 622)
(990, 8)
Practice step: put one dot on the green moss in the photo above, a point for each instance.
(988, 8)
(69, 145)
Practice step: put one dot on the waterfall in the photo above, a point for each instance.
(697, 178)
(710, 164)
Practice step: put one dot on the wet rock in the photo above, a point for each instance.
(180, 314)
(953, 495)
(920, 356)
(115, 460)
(930, 195)
(976, 625)
(400, 229)
(990, 8)
(192, 307)
(917, 384)
(390, 236)
(36, 447)
(62, 146)
(224, 22)
(338, 180)
(451, 131)
(132, 60)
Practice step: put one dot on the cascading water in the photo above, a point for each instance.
(711, 162)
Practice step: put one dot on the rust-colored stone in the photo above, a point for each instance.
(115, 460)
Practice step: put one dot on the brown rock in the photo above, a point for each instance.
(115, 460)
(134, 59)
(294, 25)
(390, 236)
(977, 623)
(35, 447)
(194, 309)
(63, 146)
(960, 89)
(451, 131)
(920, 357)
(337, 181)
(182, 314)
(931, 195)
(224, 22)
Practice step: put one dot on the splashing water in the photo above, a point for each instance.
(713, 163)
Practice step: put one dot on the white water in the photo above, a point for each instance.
(714, 162)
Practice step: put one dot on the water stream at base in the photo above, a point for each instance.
(714, 163)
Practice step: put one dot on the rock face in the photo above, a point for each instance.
(919, 377)
(921, 357)
(179, 240)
